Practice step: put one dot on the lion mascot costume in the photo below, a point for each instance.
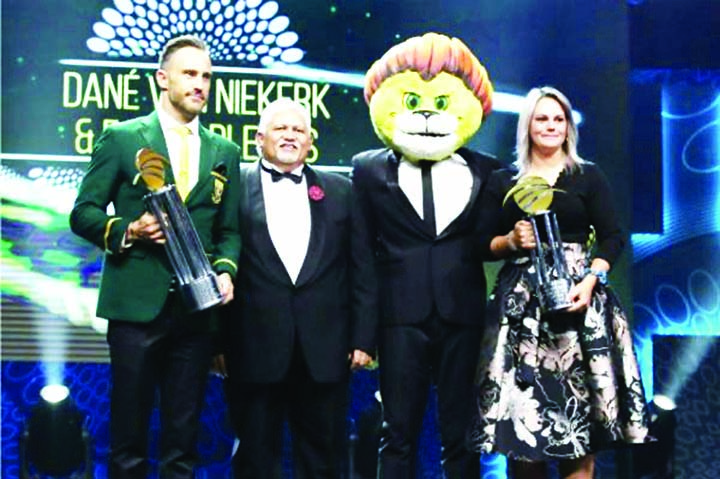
(419, 199)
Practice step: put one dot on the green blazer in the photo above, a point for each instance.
(136, 281)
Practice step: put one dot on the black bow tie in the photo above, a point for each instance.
(279, 175)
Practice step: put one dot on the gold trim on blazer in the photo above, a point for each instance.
(107, 231)
(225, 260)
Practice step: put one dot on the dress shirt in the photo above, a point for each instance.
(173, 139)
(287, 209)
(452, 187)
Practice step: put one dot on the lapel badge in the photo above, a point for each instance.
(218, 188)
(219, 181)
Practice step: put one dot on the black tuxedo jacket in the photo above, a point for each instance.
(417, 268)
(329, 311)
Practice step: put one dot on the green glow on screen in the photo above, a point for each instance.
(60, 258)
(37, 217)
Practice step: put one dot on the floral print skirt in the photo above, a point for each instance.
(556, 386)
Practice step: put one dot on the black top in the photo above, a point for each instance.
(585, 200)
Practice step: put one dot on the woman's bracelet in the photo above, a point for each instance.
(599, 274)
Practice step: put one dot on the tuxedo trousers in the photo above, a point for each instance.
(412, 358)
(315, 413)
(169, 359)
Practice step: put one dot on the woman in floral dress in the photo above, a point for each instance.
(556, 386)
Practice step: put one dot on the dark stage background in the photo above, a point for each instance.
(688, 367)
(644, 75)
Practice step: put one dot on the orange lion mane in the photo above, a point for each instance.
(430, 55)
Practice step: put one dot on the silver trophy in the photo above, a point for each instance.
(197, 282)
(552, 276)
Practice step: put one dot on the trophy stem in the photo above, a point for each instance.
(189, 239)
(553, 281)
(159, 207)
(197, 282)
(555, 244)
(537, 254)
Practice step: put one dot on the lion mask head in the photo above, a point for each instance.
(427, 96)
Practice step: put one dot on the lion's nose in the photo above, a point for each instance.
(426, 113)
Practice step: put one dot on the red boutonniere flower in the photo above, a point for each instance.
(316, 193)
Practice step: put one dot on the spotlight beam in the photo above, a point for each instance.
(695, 348)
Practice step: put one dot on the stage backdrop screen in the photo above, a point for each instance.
(72, 67)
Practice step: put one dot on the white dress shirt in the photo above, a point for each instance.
(287, 209)
(452, 183)
(173, 139)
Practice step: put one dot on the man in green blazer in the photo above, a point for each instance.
(155, 343)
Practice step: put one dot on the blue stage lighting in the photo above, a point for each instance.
(688, 303)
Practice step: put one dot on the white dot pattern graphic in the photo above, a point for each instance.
(252, 31)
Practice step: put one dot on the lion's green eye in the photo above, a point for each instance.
(412, 101)
(442, 102)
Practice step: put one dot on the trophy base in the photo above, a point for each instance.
(201, 293)
(554, 295)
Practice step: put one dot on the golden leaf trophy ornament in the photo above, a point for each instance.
(196, 280)
(534, 195)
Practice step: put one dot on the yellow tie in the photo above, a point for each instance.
(182, 179)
